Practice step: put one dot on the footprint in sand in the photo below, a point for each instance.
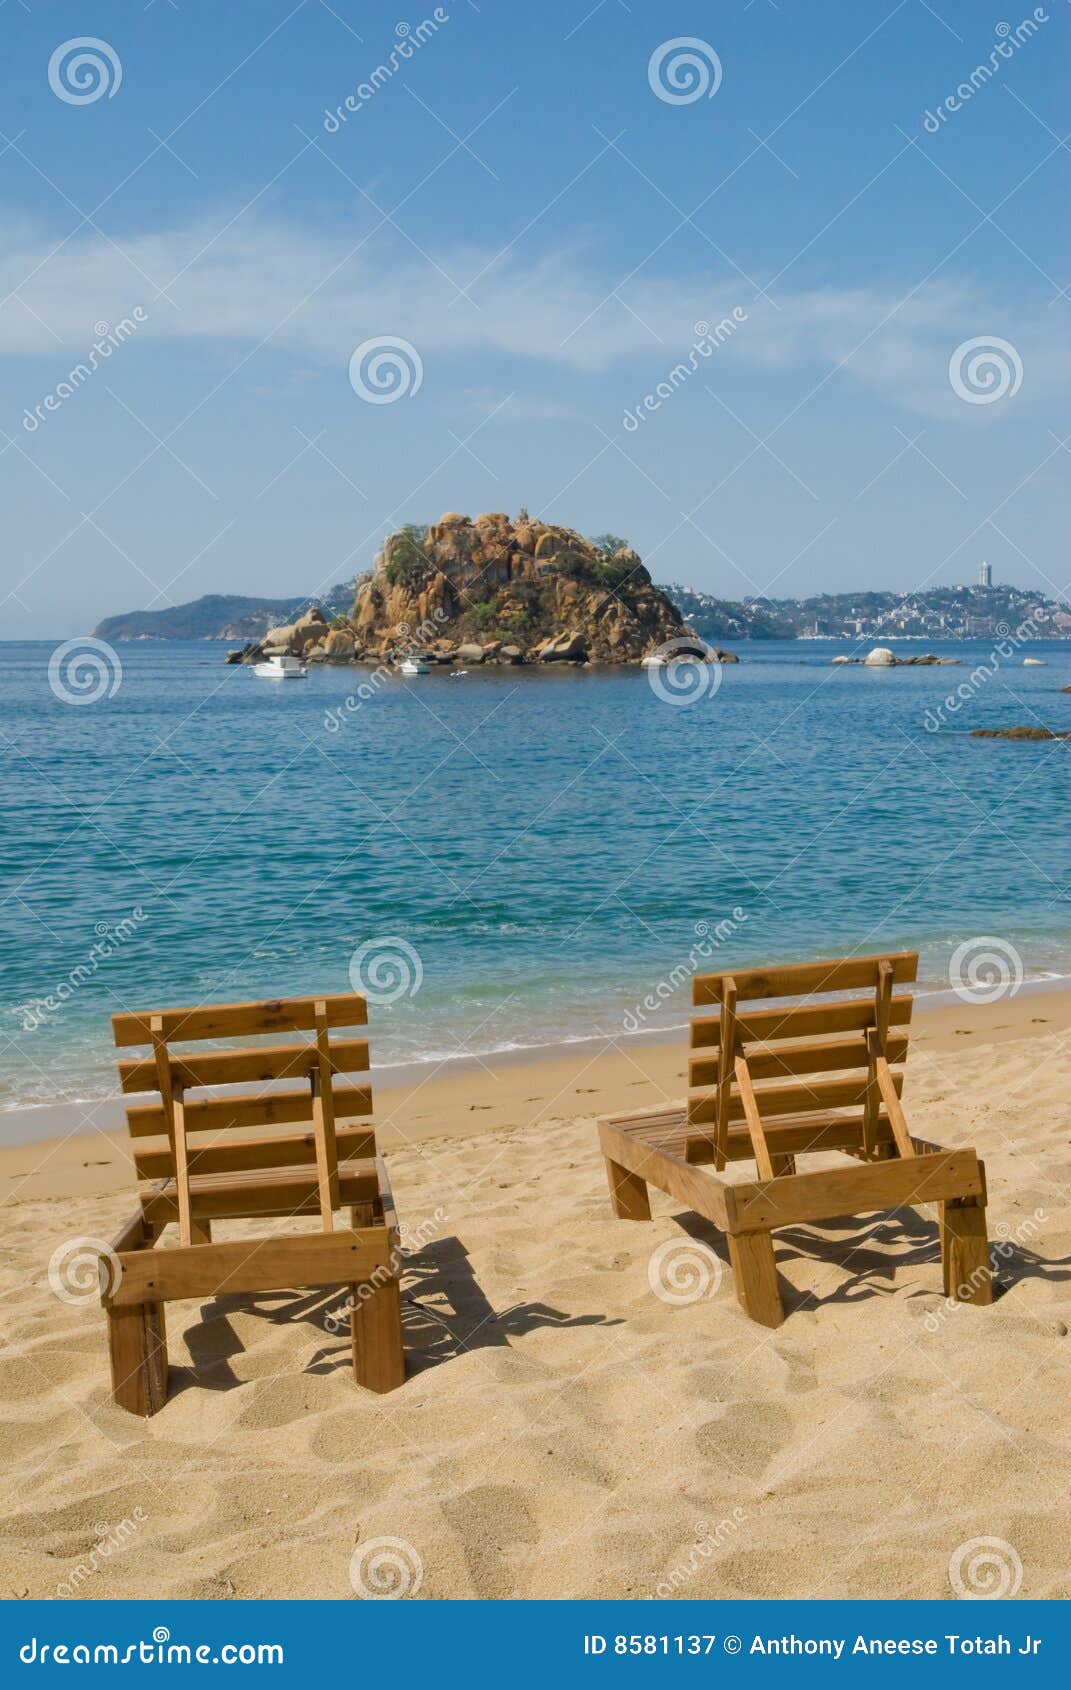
(497, 1531)
(747, 1438)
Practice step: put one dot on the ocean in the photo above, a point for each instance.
(512, 859)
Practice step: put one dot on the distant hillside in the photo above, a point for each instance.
(220, 616)
(935, 613)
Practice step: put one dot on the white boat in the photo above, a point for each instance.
(458, 674)
(281, 669)
(414, 666)
(1033, 663)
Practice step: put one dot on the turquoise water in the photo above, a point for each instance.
(552, 847)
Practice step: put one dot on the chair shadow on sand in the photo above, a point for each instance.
(444, 1314)
(900, 1239)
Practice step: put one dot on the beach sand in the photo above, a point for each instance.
(565, 1432)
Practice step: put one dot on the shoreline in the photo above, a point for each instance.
(461, 1098)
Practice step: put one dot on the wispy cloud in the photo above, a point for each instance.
(316, 295)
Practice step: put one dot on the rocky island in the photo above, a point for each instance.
(494, 591)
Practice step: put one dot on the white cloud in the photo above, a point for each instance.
(316, 295)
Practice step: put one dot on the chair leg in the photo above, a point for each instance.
(628, 1193)
(376, 1335)
(965, 1252)
(137, 1341)
(755, 1277)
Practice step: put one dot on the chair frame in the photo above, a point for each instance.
(197, 1171)
(787, 1112)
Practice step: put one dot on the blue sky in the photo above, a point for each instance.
(518, 203)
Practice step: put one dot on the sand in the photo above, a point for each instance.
(565, 1432)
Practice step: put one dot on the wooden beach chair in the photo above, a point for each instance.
(804, 1072)
(202, 1158)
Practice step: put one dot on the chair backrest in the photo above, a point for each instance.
(807, 1053)
(186, 1130)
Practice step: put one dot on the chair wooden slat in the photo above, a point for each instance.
(882, 1000)
(282, 1191)
(323, 1119)
(790, 1097)
(754, 1121)
(244, 1155)
(235, 1020)
(252, 1109)
(769, 1062)
(844, 974)
(234, 1067)
(800, 1021)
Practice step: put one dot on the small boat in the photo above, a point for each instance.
(281, 669)
(1033, 663)
(414, 666)
(458, 674)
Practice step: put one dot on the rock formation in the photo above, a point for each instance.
(493, 590)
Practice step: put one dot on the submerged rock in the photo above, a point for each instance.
(1018, 732)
